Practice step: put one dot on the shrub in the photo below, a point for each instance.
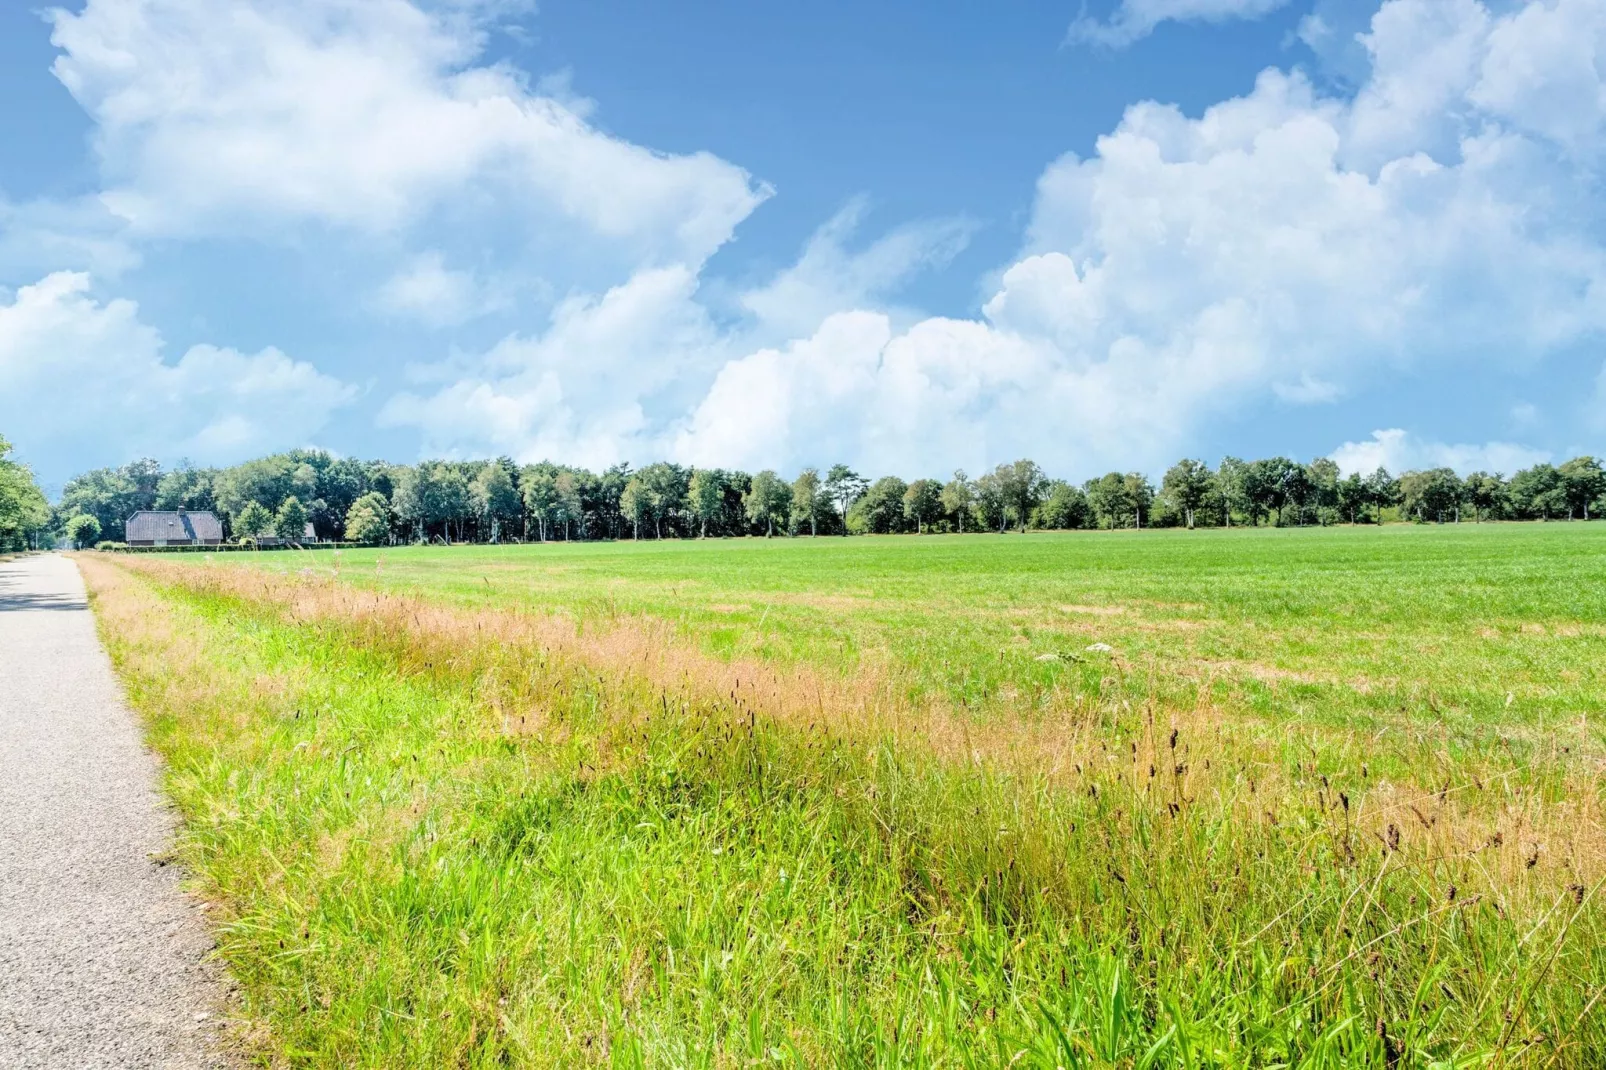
(83, 530)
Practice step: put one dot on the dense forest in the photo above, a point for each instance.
(499, 501)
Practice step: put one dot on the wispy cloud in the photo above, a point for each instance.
(1133, 20)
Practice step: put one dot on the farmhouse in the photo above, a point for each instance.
(178, 528)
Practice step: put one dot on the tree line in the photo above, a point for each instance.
(375, 502)
(24, 512)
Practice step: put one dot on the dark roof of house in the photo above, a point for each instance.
(308, 534)
(182, 526)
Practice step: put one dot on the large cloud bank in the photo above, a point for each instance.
(1282, 245)
(1292, 246)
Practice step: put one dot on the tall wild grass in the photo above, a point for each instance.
(448, 836)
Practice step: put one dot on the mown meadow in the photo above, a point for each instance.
(1316, 798)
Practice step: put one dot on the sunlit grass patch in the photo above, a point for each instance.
(465, 833)
(1440, 621)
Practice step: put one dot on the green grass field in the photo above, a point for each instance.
(1331, 798)
(1320, 623)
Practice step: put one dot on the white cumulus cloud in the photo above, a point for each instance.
(1285, 245)
(1400, 451)
(613, 376)
(944, 394)
(579, 391)
(82, 379)
(242, 115)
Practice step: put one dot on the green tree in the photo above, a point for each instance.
(1119, 500)
(539, 485)
(603, 494)
(706, 497)
(368, 520)
(253, 520)
(1382, 491)
(83, 530)
(1298, 492)
(569, 510)
(667, 489)
(635, 505)
(1352, 496)
(304, 481)
(340, 484)
(989, 507)
(146, 475)
(1064, 507)
(733, 513)
(1111, 498)
(922, 503)
(449, 498)
(291, 520)
(1188, 485)
(266, 481)
(1232, 489)
(1486, 493)
(495, 499)
(808, 500)
(432, 496)
(1431, 495)
(1321, 489)
(24, 512)
(379, 477)
(768, 500)
(1271, 484)
(879, 510)
(844, 486)
(1141, 494)
(958, 498)
(1021, 485)
(109, 495)
(1539, 493)
(186, 487)
(407, 500)
(1582, 481)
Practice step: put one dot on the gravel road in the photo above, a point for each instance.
(101, 952)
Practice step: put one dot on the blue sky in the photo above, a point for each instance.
(912, 236)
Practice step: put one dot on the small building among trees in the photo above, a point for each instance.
(308, 535)
(177, 528)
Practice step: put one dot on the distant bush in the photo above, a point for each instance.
(111, 544)
(368, 520)
(83, 530)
